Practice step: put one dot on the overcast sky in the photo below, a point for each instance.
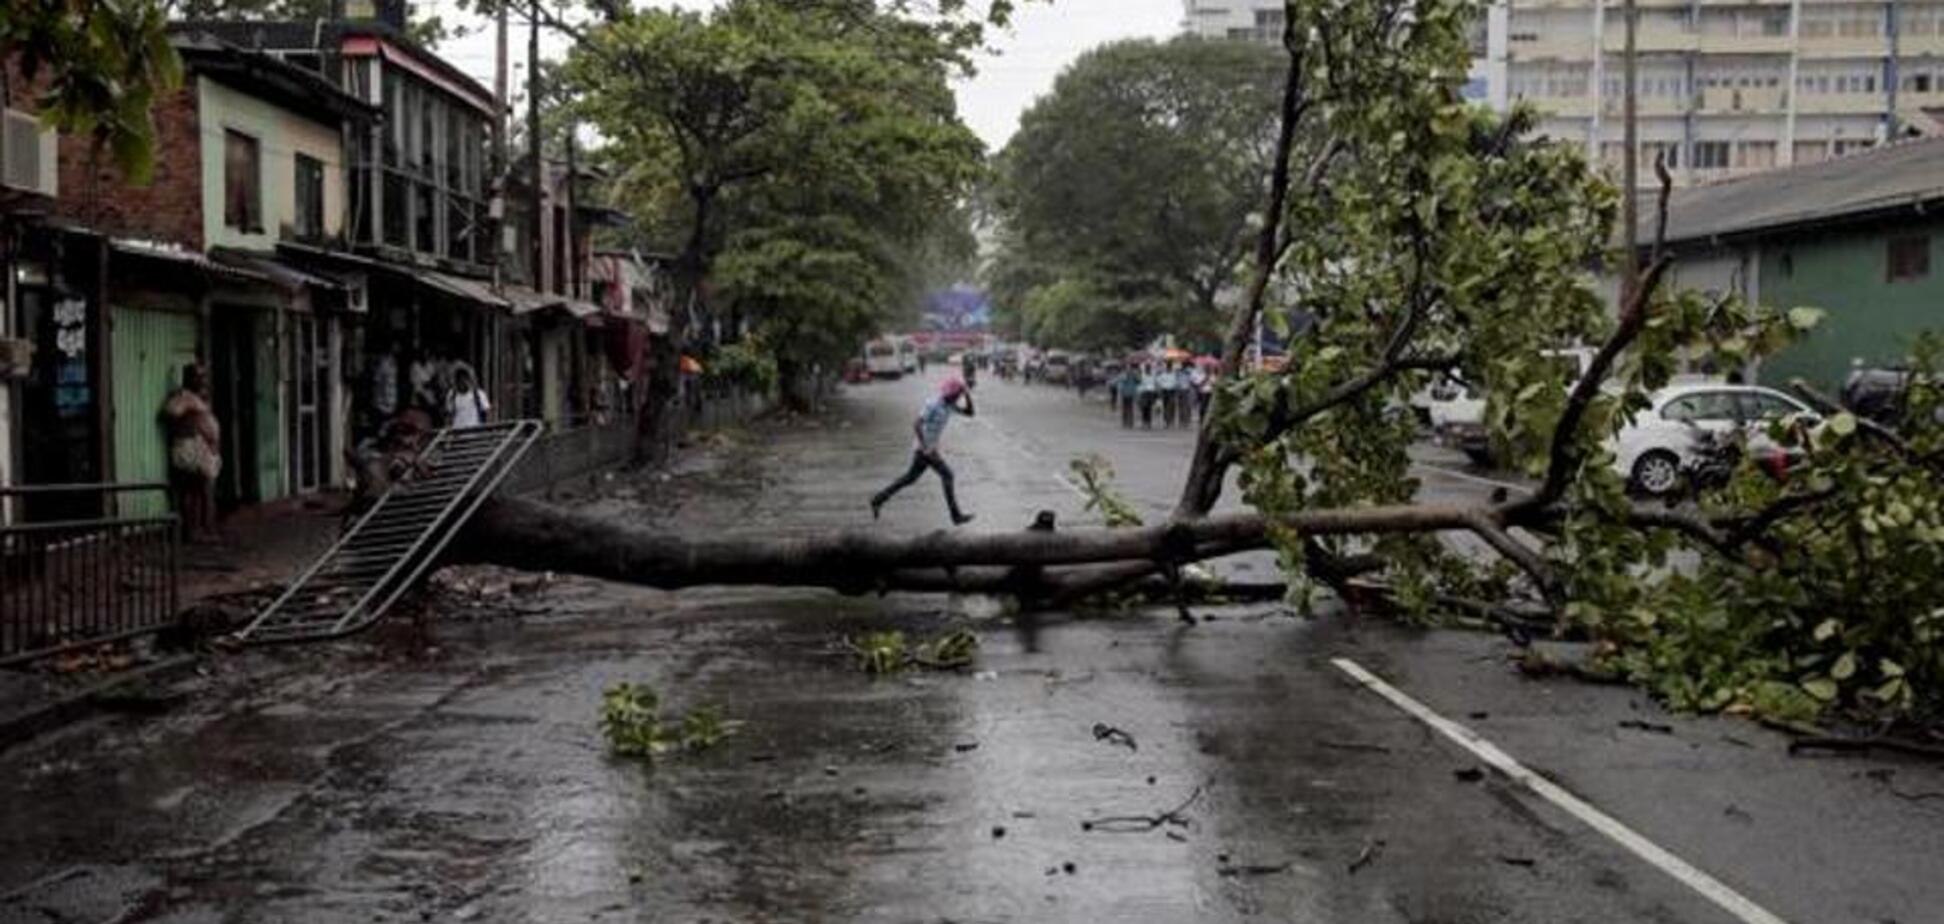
(1043, 39)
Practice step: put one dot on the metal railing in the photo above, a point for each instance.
(71, 583)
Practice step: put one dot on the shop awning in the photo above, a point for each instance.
(277, 271)
(460, 287)
(187, 258)
(526, 301)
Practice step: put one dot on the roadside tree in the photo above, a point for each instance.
(1134, 181)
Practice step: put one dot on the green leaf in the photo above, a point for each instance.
(1827, 629)
(1843, 424)
(1890, 668)
(1844, 668)
(1804, 319)
(1822, 688)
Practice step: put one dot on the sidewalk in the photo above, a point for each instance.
(219, 585)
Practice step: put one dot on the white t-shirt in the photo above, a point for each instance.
(469, 408)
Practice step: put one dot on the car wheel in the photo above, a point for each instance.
(1657, 472)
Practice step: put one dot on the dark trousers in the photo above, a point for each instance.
(1147, 409)
(919, 462)
(1127, 411)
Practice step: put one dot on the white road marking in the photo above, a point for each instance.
(1712, 889)
(1012, 444)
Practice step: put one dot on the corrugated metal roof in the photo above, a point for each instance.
(155, 250)
(1905, 174)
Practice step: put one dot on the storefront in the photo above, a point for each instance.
(57, 412)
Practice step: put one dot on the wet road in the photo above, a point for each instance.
(347, 784)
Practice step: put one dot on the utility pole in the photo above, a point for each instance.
(537, 220)
(573, 221)
(1630, 164)
(1890, 76)
(497, 189)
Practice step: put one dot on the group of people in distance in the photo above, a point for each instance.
(439, 393)
(1179, 392)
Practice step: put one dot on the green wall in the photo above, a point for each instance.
(150, 349)
(1845, 274)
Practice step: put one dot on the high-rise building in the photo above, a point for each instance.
(1262, 21)
(1725, 87)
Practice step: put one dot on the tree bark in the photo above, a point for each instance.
(655, 419)
(1211, 462)
(532, 536)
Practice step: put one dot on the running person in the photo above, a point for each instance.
(953, 397)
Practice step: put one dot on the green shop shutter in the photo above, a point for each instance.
(150, 349)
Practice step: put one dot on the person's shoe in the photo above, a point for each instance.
(960, 519)
(876, 505)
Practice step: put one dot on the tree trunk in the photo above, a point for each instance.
(1210, 464)
(655, 420)
(532, 536)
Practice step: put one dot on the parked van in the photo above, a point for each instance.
(882, 360)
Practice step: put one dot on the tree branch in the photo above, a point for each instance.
(1564, 454)
(1518, 553)
(532, 536)
(1203, 485)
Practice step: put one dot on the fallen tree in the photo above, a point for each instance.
(1422, 235)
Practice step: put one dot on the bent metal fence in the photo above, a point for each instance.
(70, 583)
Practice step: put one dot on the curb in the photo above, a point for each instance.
(19, 727)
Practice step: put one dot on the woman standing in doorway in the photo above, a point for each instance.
(195, 453)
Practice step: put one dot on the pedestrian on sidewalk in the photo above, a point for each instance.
(1145, 395)
(954, 397)
(1199, 387)
(1166, 383)
(195, 453)
(468, 405)
(1126, 389)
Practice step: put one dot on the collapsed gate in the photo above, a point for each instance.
(393, 543)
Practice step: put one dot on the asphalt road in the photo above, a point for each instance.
(1249, 774)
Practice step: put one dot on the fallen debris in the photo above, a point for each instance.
(1843, 745)
(1354, 746)
(1108, 733)
(1140, 823)
(1887, 777)
(1640, 725)
(1526, 862)
(1368, 855)
(1468, 774)
(1251, 869)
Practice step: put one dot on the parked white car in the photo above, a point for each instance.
(1456, 414)
(1655, 450)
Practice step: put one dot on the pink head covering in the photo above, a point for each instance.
(952, 387)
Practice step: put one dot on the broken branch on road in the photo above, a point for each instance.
(1140, 823)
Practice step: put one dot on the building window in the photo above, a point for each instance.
(1909, 258)
(242, 183)
(1756, 155)
(308, 193)
(1710, 155)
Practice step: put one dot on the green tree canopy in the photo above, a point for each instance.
(1134, 181)
(96, 68)
(804, 156)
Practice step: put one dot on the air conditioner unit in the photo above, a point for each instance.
(29, 159)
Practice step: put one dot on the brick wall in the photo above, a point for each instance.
(169, 208)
